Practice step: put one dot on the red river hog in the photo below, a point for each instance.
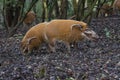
(116, 6)
(30, 17)
(68, 31)
(106, 10)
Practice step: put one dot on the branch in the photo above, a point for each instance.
(4, 16)
(11, 32)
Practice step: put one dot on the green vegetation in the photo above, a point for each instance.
(14, 11)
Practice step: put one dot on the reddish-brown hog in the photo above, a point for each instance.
(116, 6)
(30, 17)
(68, 31)
(106, 10)
(33, 38)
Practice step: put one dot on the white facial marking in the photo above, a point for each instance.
(89, 34)
(94, 34)
(83, 34)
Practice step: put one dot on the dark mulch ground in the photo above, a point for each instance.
(90, 61)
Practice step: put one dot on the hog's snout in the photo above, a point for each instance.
(90, 35)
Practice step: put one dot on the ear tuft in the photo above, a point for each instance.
(30, 39)
(77, 26)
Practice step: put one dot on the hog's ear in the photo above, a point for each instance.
(77, 26)
(30, 39)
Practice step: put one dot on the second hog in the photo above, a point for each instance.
(106, 10)
(116, 6)
(30, 17)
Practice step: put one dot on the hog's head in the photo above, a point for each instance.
(27, 45)
(86, 32)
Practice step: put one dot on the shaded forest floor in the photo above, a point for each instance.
(90, 61)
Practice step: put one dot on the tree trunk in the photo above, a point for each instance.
(63, 9)
(89, 14)
(43, 11)
(57, 13)
(11, 13)
(78, 10)
(75, 6)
